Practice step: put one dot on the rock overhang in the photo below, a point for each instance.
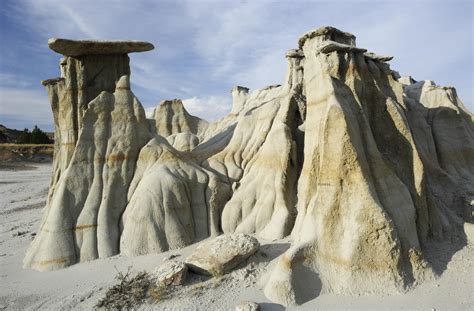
(74, 48)
(239, 88)
(329, 33)
(294, 53)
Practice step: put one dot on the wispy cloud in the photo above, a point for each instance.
(25, 108)
(203, 48)
(209, 108)
(13, 81)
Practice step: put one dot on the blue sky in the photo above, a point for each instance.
(203, 48)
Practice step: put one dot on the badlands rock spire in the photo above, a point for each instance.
(373, 188)
(100, 127)
(361, 167)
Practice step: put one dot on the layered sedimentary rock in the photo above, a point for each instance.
(172, 118)
(372, 189)
(87, 69)
(81, 221)
(362, 167)
(264, 180)
(92, 47)
(172, 201)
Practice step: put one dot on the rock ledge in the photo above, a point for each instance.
(69, 47)
(329, 33)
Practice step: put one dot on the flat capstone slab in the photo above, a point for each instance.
(69, 47)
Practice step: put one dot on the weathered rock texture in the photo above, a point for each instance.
(91, 47)
(220, 255)
(171, 272)
(171, 118)
(247, 306)
(81, 221)
(83, 78)
(362, 167)
(373, 187)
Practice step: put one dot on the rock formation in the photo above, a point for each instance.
(362, 167)
(171, 118)
(81, 221)
(171, 272)
(372, 189)
(222, 254)
(87, 69)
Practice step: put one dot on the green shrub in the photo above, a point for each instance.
(36, 136)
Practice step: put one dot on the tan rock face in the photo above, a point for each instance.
(367, 195)
(82, 79)
(172, 118)
(327, 33)
(173, 202)
(82, 219)
(362, 167)
(171, 272)
(220, 255)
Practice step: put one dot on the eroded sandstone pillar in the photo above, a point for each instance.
(87, 69)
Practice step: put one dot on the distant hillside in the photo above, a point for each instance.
(11, 136)
(8, 135)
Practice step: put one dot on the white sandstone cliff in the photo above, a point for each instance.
(362, 167)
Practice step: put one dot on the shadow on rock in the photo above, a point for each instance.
(268, 252)
(267, 306)
(306, 283)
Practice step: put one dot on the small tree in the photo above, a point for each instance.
(39, 137)
(36, 136)
(24, 137)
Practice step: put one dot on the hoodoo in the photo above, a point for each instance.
(100, 127)
(372, 190)
(363, 168)
(87, 69)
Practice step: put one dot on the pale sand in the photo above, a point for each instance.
(79, 287)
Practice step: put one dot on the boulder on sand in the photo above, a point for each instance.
(220, 255)
(171, 272)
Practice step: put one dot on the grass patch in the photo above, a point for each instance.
(131, 291)
(197, 289)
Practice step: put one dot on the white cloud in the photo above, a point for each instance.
(268, 69)
(20, 108)
(205, 47)
(209, 108)
(13, 80)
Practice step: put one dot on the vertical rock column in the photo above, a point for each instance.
(264, 198)
(100, 127)
(88, 68)
(239, 96)
(356, 222)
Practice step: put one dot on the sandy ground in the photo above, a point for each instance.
(79, 287)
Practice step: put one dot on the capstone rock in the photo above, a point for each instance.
(93, 47)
